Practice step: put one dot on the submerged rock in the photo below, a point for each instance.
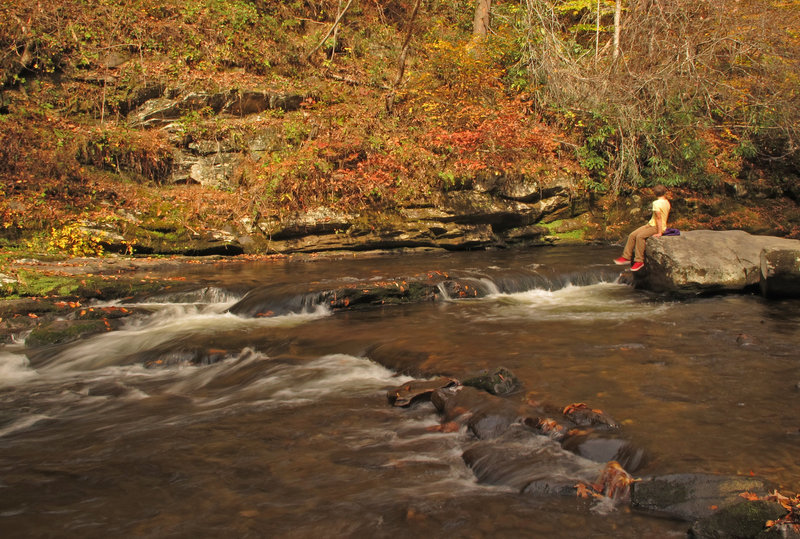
(402, 358)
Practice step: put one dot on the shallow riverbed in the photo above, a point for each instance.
(287, 432)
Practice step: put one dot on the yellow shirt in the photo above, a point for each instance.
(662, 206)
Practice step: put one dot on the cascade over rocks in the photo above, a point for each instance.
(516, 445)
(705, 261)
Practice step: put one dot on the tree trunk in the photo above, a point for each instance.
(402, 61)
(480, 26)
(617, 23)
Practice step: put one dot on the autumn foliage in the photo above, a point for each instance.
(702, 96)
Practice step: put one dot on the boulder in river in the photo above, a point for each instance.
(692, 496)
(584, 416)
(746, 519)
(500, 381)
(528, 462)
(780, 272)
(706, 261)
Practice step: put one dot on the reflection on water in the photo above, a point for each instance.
(191, 420)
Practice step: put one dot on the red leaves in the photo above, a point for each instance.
(749, 496)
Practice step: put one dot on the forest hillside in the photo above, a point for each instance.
(143, 127)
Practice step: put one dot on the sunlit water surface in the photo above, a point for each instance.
(290, 434)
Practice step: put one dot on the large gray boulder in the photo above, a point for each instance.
(780, 272)
(703, 261)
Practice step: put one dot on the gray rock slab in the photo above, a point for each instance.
(701, 261)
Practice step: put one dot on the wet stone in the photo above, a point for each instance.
(64, 331)
(501, 381)
(746, 519)
(461, 401)
(527, 462)
(584, 416)
(600, 447)
(692, 496)
(547, 426)
(492, 420)
(416, 390)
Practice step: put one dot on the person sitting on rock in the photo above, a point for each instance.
(634, 247)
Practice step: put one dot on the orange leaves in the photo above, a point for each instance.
(568, 409)
(65, 304)
(579, 407)
(585, 491)
(448, 427)
(504, 138)
(614, 482)
(792, 506)
(789, 503)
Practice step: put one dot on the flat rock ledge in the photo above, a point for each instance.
(707, 262)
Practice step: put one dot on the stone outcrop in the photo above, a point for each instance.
(489, 209)
(705, 261)
(162, 110)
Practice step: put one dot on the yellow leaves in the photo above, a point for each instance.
(72, 239)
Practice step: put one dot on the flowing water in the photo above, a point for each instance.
(283, 429)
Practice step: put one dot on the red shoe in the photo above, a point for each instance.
(637, 266)
(621, 261)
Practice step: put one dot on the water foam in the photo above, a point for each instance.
(336, 373)
(574, 302)
(15, 369)
(174, 323)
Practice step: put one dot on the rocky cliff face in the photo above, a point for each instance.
(486, 210)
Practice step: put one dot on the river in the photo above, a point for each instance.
(193, 421)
